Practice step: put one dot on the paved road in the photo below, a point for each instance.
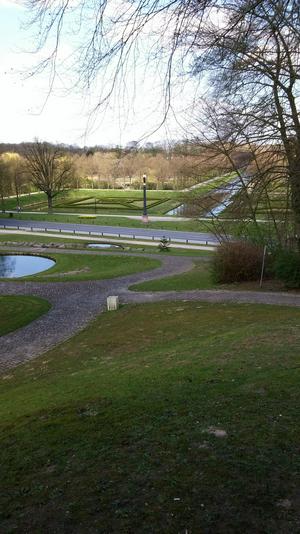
(196, 237)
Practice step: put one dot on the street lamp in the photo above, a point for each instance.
(145, 214)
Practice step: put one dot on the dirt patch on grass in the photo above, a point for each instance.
(69, 273)
(217, 432)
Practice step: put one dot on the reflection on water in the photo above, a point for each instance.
(179, 210)
(15, 266)
(103, 245)
(229, 191)
(7, 265)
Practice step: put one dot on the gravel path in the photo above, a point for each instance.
(75, 304)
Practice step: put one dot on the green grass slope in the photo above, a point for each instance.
(75, 267)
(197, 278)
(169, 417)
(17, 311)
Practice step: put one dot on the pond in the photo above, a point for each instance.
(17, 265)
(104, 245)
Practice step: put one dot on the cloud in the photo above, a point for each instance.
(18, 4)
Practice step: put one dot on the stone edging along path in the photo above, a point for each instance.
(75, 304)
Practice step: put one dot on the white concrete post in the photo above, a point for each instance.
(112, 303)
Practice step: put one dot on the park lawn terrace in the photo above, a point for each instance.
(17, 311)
(166, 417)
(76, 267)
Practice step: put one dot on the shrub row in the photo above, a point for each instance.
(237, 262)
(286, 267)
(242, 261)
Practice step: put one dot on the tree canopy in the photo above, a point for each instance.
(49, 168)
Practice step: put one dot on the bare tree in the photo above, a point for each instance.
(5, 181)
(253, 63)
(50, 170)
(17, 172)
(247, 51)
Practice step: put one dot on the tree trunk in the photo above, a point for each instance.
(295, 192)
(294, 178)
(17, 194)
(50, 201)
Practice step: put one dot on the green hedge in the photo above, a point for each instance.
(286, 267)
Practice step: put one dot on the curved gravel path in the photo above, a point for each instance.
(75, 304)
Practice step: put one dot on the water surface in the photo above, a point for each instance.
(103, 245)
(17, 265)
(179, 210)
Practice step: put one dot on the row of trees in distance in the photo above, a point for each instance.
(52, 168)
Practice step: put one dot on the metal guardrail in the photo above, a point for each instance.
(107, 234)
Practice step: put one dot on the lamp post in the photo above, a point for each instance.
(145, 214)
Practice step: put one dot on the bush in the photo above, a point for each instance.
(102, 184)
(136, 185)
(286, 267)
(237, 262)
(262, 235)
(151, 185)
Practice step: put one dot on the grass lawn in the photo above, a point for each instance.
(15, 239)
(31, 238)
(161, 418)
(117, 202)
(17, 311)
(101, 201)
(275, 201)
(197, 278)
(164, 200)
(11, 203)
(200, 277)
(75, 267)
(192, 225)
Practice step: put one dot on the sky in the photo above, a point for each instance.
(28, 111)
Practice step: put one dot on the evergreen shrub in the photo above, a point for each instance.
(286, 267)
